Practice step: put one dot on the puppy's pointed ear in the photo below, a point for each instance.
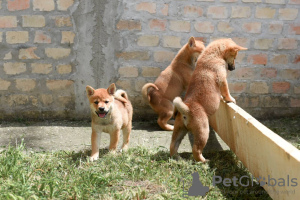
(89, 91)
(192, 42)
(111, 89)
(239, 48)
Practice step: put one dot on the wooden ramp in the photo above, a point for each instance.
(262, 151)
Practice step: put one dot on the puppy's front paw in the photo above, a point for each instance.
(230, 99)
(93, 158)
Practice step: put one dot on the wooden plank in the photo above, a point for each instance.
(262, 151)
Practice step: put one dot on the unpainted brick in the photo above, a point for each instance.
(225, 27)
(17, 99)
(15, 5)
(240, 12)
(46, 99)
(290, 74)
(294, 1)
(63, 21)
(41, 68)
(124, 84)
(275, 102)
(138, 84)
(8, 21)
(42, 37)
(158, 24)
(193, 11)
(294, 29)
(259, 88)
(287, 43)
(237, 88)
(64, 69)
(148, 40)
(59, 84)
(67, 37)
(295, 102)
(244, 73)
(4, 84)
(64, 4)
(297, 89)
(146, 6)
(217, 12)
(128, 71)
(180, 26)
(275, 1)
(265, 13)
(129, 25)
(204, 27)
(280, 59)
(288, 13)
(268, 73)
(25, 85)
(165, 9)
(252, 1)
(252, 27)
(11, 68)
(258, 59)
(263, 44)
(171, 41)
(57, 53)
(134, 55)
(34, 21)
(17, 37)
(163, 56)
(275, 28)
(280, 87)
(242, 41)
(43, 5)
(28, 53)
(8, 56)
(151, 71)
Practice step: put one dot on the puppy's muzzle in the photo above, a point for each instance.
(101, 112)
(231, 67)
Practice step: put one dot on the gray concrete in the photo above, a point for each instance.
(75, 136)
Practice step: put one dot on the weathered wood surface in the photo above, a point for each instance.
(262, 151)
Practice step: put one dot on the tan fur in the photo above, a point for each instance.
(172, 82)
(207, 87)
(111, 111)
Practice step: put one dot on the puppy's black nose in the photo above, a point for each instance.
(101, 109)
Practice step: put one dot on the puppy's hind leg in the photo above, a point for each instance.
(178, 134)
(126, 136)
(165, 113)
(201, 134)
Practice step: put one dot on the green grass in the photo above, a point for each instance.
(138, 173)
(288, 128)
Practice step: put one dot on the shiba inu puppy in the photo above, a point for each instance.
(172, 82)
(208, 85)
(111, 112)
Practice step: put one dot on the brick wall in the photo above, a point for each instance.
(52, 49)
(36, 39)
(266, 80)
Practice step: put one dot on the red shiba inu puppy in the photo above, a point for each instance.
(172, 82)
(208, 85)
(111, 112)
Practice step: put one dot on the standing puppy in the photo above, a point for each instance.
(207, 87)
(111, 112)
(172, 82)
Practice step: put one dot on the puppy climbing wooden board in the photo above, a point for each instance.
(270, 158)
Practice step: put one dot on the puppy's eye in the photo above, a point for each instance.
(106, 101)
(96, 102)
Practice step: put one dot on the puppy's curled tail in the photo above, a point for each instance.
(121, 95)
(180, 106)
(145, 90)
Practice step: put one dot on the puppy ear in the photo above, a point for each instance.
(192, 42)
(89, 90)
(239, 48)
(111, 89)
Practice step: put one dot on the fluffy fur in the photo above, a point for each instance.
(111, 111)
(172, 82)
(208, 85)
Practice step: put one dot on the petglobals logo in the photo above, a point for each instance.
(246, 181)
